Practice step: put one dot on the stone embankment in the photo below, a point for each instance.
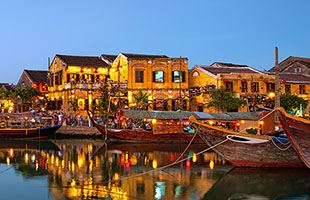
(78, 132)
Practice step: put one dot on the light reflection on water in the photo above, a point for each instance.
(89, 169)
(79, 169)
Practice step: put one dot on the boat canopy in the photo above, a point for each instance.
(184, 115)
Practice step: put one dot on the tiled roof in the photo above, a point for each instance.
(6, 86)
(37, 76)
(143, 56)
(295, 78)
(109, 57)
(230, 70)
(221, 64)
(292, 59)
(92, 61)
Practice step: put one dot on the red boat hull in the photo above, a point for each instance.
(129, 135)
(23, 133)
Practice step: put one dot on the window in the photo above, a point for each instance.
(158, 76)
(254, 87)
(139, 76)
(178, 76)
(229, 86)
(195, 73)
(298, 70)
(270, 87)
(287, 89)
(302, 89)
(244, 86)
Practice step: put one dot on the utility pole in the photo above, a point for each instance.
(277, 81)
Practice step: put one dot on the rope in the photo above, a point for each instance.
(281, 149)
(268, 114)
(3, 171)
(175, 162)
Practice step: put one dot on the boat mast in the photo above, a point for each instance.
(277, 81)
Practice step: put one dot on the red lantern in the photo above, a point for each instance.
(225, 80)
(243, 80)
(188, 164)
(265, 81)
(283, 81)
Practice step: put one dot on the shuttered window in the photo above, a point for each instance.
(139, 76)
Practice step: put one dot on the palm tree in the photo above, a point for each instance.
(141, 100)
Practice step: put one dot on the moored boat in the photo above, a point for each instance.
(21, 126)
(247, 150)
(140, 135)
(33, 133)
(297, 130)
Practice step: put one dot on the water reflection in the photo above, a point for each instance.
(92, 169)
(262, 184)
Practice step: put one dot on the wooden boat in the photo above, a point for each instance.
(297, 130)
(261, 183)
(141, 135)
(23, 133)
(246, 150)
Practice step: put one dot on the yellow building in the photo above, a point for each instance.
(249, 84)
(75, 82)
(163, 79)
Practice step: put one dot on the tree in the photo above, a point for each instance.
(26, 94)
(141, 100)
(105, 107)
(223, 100)
(292, 102)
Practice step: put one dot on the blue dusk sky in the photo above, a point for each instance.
(205, 31)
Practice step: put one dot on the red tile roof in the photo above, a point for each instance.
(92, 61)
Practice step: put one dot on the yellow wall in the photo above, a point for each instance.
(165, 90)
(206, 78)
(74, 91)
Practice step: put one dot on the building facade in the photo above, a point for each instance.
(36, 79)
(294, 73)
(247, 83)
(164, 80)
(75, 82)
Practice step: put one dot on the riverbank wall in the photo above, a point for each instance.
(78, 132)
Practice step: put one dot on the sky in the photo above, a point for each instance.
(204, 31)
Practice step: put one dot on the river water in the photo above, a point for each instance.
(92, 169)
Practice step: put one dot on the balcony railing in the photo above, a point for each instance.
(83, 86)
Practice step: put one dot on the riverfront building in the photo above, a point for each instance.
(75, 82)
(248, 83)
(295, 77)
(163, 79)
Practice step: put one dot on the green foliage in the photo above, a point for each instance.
(26, 94)
(223, 100)
(5, 94)
(252, 131)
(74, 104)
(105, 106)
(141, 100)
(292, 102)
